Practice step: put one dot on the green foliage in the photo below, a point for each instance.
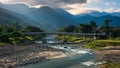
(85, 28)
(110, 65)
(1, 29)
(29, 38)
(70, 28)
(93, 45)
(94, 26)
(15, 33)
(4, 38)
(16, 40)
(118, 38)
(97, 44)
(31, 29)
(10, 29)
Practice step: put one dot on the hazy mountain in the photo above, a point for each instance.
(116, 14)
(99, 20)
(98, 17)
(44, 17)
(7, 17)
(51, 19)
(98, 14)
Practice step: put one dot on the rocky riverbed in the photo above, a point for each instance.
(13, 56)
(109, 54)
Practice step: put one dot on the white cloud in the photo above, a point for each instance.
(107, 3)
(80, 9)
(117, 10)
(73, 6)
(114, 3)
(110, 10)
(97, 0)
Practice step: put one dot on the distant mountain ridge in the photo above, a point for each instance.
(51, 19)
(7, 17)
(44, 17)
(99, 14)
(98, 17)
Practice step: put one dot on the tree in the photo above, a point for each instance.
(70, 28)
(10, 29)
(94, 26)
(1, 29)
(85, 28)
(31, 29)
(16, 34)
(106, 28)
(13, 27)
(4, 38)
(16, 37)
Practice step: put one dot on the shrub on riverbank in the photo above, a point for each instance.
(98, 44)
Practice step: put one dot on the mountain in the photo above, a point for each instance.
(45, 17)
(99, 20)
(7, 17)
(51, 19)
(98, 14)
(116, 14)
(98, 17)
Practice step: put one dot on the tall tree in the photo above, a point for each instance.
(106, 28)
(94, 26)
(85, 28)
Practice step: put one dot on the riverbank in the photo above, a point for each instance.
(110, 55)
(107, 51)
(13, 56)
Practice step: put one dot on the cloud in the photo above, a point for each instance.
(97, 0)
(117, 10)
(69, 5)
(81, 8)
(107, 3)
(73, 6)
(45, 2)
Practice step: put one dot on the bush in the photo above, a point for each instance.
(94, 45)
(118, 38)
(16, 34)
(4, 38)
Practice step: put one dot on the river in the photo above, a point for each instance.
(77, 58)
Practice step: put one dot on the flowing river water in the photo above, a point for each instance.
(77, 58)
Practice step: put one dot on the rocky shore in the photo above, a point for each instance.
(109, 54)
(13, 56)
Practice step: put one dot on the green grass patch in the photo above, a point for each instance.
(97, 44)
(110, 65)
(70, 38)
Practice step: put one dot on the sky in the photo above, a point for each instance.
(73, 6)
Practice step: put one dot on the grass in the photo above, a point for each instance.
(109, 41)
(70, 38)
(110, 65)
(97, 44)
